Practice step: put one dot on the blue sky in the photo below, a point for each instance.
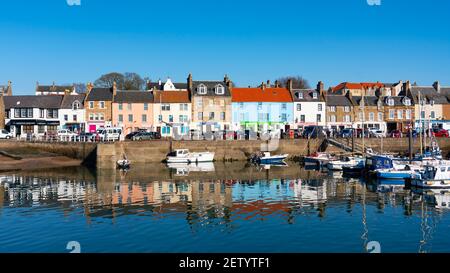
(250, 40)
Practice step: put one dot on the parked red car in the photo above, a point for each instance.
(396, 134)
(440, 133)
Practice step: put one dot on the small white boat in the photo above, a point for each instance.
(320, 159)
(184, 156)
(338, 165)
(123, 164)
(433, 176)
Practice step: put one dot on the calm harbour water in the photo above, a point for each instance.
(215, 208)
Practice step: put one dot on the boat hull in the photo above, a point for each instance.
(393, 175)
(192, 158)
(431, 184)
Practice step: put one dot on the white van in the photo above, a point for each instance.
(109, 134)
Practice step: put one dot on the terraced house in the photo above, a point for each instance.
(309, 106)
(369, 112)
(98, 105)
(340, 112)
(172, 112)
(211, 104)
(262, 109)
(72, 115)
(5, 90)
(399, 111)
(133, 110)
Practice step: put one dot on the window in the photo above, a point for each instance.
(91, 105)
(347, 109)
(28, 129)
(220, 90)
(299, 107)
(96, 117)
(260, 105)
(41, 113)
(302, 118)
(332, 108)
(299, 95)
(120, 106)
(120, 118)
(66, 117)
(200, 115)
(391, 114)
(202, 90)
(315, 95)
(407, 101)
(129, 106)
(390, 102)
(183, 118)
(183, 107)
(371, 117)
(432, 102)
(145, 106)
(422, 114)
(41, 129)
(347, 118)
(76, 105)
(284, 117)
(433, 115)
(170, 118)
(165, 107)
(320, 107)
(222, 116)
(52, 128)
(261, 117)
(332, 118)
(101, 104)
(200, 103)
(144, 118)
(319, 118)
(400, 114)
(75, 118)
(166, 130)
(360, 116)
(283, 106)
(91, 117)
(241, 105)
(380, 116)
(160, 118)
(52, 113)
(408, 114)
(101, 117)
(211, 115)
(130, 118)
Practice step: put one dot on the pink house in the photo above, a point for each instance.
(133, 110)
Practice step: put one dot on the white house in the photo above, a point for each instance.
(32, 115)
(72, 113)
(309, 107)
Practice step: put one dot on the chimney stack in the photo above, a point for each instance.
(9, 89)
(437, 86)
(268, 83)
(277, 84)
(263, 86)
(289, 85)
(114, 88)
(190, 83)
(320, 87)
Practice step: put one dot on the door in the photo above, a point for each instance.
(18, 130)
(92, 128)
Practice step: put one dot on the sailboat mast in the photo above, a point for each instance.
(421, 127)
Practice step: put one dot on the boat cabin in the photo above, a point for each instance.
(179, 153)
(377, 162)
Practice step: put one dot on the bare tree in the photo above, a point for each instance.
(133, 81)
(298, 82)
(108, 80)
(80, 87)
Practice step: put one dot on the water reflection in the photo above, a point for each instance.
(224, 196)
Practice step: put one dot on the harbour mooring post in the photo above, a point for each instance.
(353, 142)
(410, 143)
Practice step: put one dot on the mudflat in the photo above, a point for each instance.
(36, 162)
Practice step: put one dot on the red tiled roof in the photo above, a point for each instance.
(261, 95)
(171, 97)
(363, 85)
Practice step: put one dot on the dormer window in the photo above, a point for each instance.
(314, 95)
(76, 105)
(390, 101)
(220, 90)
(202, 90)
(299, 95)
(432, 102)
(407, 101)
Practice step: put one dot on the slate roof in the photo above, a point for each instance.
(307, 95)
(68, 101)
(171, 97)
(211, 88)
(398, 101)
(51, 102)
(368, 100)
(428, 93)
(130, 96)
(338, 100)
(53, 88)
(100, 94)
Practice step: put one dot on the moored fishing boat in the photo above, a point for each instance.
(267, 158)
(184, 156)
(318, 159)
(433, 176)
(338, 165)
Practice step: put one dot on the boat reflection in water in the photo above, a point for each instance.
(211, 208)
(184, 169)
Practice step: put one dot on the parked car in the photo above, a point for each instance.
(346, 133)
(440, 133)
(5, 134)
(415, 133)
(146, 136)
(377, 133)
(396, 134)
(86, 137)
(109, 134)
(131, 135)
(66, 135)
